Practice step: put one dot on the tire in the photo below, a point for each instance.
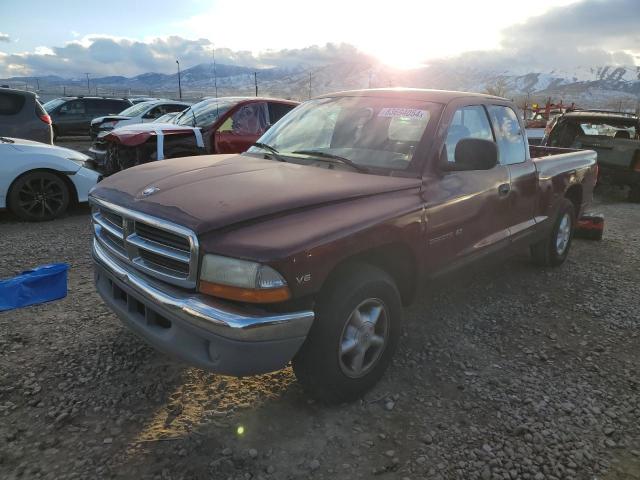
(553, 250)
(634, 194)
(327, 364)
(39, 196)
(55, 134)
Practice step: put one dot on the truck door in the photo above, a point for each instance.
(467, 211)
(242, 128)
(513, 153)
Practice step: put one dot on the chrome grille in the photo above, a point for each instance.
(157, 247)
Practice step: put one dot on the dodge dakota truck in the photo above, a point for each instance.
(306, 247)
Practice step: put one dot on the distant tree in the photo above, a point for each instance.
(499, 89)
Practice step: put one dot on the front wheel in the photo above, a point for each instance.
(38, 196)
(554, 249)
(353, 338)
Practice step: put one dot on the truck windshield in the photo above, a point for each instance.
(51, 105)
(204, 114)
(136, 109)
(371, 132)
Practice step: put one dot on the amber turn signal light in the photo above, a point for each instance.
(262, 295)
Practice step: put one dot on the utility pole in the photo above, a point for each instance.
(370, 75)
(37, 85)
(309, 84)
(88, 88)
(179, 83)
(255, 80)
(215, 77)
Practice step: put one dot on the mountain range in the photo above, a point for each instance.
(594, 86)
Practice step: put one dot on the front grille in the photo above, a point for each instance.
(159, 248)
(162, 236)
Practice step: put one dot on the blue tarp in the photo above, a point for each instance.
(42, 284)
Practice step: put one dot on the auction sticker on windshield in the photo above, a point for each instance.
(395, 112)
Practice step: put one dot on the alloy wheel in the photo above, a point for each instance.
(364, 338)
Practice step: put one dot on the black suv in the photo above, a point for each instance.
(73, 115)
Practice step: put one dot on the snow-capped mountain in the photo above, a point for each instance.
(588, 86)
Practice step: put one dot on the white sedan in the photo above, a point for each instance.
(39, 181)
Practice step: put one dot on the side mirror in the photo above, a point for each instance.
(473, 154)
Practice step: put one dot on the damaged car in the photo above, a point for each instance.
(143, 112)
(214, 125)
(614, 135)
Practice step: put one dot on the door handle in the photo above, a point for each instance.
(504, 189)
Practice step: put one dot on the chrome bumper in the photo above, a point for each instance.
(204, 312)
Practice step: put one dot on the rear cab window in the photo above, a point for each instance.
(571, 132)
(512, 146)
(11, 103)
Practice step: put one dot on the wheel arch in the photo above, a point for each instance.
(73, 192)
(574, 194)
(396, 259)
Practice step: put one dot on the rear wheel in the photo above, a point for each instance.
(354, 335)
(39, 196)
(553, 250)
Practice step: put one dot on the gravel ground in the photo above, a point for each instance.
(514, 372)
(79, 143)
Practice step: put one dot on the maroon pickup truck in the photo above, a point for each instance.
(307, 246)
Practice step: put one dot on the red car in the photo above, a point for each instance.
(214, 125)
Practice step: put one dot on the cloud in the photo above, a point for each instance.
(590, 32)
(584, 33)
(104, 55)
(4, 37)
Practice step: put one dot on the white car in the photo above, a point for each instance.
(142, 112)
(39, 181)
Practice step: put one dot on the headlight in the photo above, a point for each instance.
(241, 280)
(80, 160)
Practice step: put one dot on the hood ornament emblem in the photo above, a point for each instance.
(149, 191)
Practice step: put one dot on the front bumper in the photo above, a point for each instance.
(98, 155)
(198, 329)
(84, 180)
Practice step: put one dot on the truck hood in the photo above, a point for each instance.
(208, 192)
(138, 133)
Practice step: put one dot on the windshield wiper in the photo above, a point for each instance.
(271, 149)
(331, 156)
(6, 140)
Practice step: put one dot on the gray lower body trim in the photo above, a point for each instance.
(222, 341)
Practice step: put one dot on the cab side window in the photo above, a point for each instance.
(509, 136)
(251, 119)
(467, 122)
(156, 112)
(278, 110)
(74, 107)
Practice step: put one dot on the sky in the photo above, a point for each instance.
(118, 37)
